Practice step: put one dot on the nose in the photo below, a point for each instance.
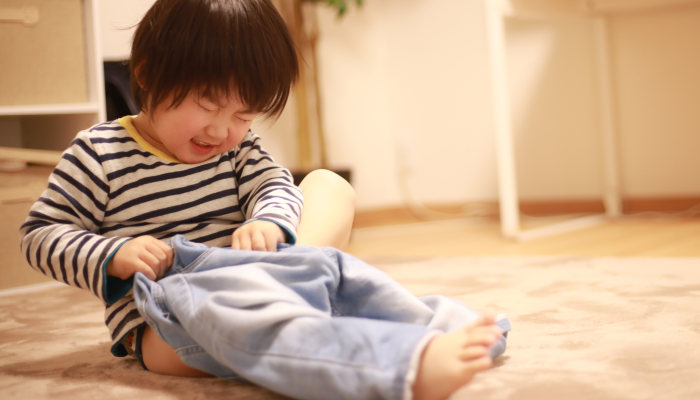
(217, 130)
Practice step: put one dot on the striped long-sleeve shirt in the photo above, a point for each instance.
(111, 185)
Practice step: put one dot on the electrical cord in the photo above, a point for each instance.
(418, 208)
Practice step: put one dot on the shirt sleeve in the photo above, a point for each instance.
(60, 236)
(266, 191)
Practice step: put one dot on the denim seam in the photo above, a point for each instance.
(282, 355)
(149, 320)
(333, 255)
(190, 350)
(197, 261)
(159, 298)
(335, 312)
(190, 295)
(323, 360)
(329, 252)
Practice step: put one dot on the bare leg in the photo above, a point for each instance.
(162, 359)
(329, 208)
(450, 361)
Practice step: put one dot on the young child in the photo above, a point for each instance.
(188, 166)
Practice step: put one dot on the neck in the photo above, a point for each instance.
(142, 124)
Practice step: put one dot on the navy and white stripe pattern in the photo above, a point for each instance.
(108, 189)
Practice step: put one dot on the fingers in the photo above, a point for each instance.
(144, 254)
(156, 259)
(168, 251)
(158, 256)
(258, 236)
(240, 239)
(257, 241)
(244, 242)
(264, 241)
(144, 268)
(271, 243)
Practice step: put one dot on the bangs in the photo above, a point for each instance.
(218, 49)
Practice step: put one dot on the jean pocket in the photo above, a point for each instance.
(183, 269)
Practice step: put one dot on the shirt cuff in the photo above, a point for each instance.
(115, 288)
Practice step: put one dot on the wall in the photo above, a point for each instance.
(554, 114)
(658, 69)
(419, 67)
(414, 73)
(117, 21)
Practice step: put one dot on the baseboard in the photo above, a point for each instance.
(402, 214)
(630, 205)
(660, 204)
(558, 207)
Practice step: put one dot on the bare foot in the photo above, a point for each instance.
(450, 361)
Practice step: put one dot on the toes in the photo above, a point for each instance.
(486, 319)
(473, 352)
(484, 337)
(479, 321)
(483, 322)
(489, 318)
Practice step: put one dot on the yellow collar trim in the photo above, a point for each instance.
(126, 123)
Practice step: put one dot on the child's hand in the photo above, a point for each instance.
(257, 235)
(145, 254)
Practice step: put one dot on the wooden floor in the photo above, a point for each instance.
(650, 235)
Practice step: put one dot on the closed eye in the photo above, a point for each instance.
(202, 107)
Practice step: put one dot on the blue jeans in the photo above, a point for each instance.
(305, 322)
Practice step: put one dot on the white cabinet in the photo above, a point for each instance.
(51, 76)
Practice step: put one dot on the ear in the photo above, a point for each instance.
(139, 77)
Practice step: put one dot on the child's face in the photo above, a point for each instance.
(197, 129)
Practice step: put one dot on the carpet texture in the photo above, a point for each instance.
(582, 329)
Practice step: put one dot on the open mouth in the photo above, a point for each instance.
(202, 147)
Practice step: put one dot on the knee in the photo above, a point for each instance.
(328, 181)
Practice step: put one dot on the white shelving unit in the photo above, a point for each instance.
(598, 13)
(94, 108)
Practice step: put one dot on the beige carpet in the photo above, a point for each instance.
(583, 329)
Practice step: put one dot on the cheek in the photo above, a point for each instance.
(235, 139)
(239, 133)
(185, 128)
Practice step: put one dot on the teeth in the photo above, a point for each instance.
(201, 143)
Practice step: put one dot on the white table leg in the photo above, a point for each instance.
(505, 152)
(611, 181)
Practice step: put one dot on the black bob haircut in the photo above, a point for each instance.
(216, 49)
